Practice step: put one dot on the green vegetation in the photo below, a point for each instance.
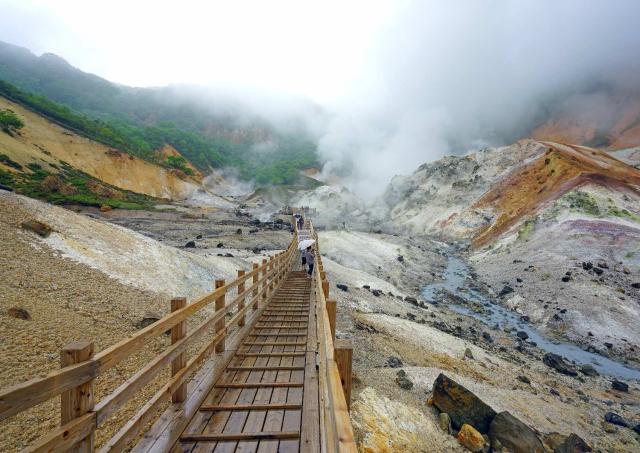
(9, 122)
(71, 186)
(179, 163)
(525, 230)
(583, 202)
(616, 211)
(4, 159)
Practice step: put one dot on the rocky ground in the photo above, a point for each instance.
(401, 344)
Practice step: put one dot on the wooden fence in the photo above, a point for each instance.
(74, 382)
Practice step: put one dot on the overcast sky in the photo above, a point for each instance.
(404, 82)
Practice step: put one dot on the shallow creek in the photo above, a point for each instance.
(456, 282)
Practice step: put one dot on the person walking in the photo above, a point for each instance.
(300, 223)
(311, 259)
(303, 255)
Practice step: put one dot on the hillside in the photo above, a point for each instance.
(53, 148)
(210, 131)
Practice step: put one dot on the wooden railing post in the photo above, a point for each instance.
(178, 332)
(264, 280)
(271, 266)
(256, 277)
(323, 274)
(220, 324)
(241, 303)
(331, 312)
(343, 355)
(325, 289)
(79, 400)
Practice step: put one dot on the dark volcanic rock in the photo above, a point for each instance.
(342, 286)
(573, 444)
(190, 245)
(401, 259)
(522, 335)
(461, 405)
(597, 270)
(403, 381)
(411, 300)
(635, 285)
(366, 287)
(616, 419)
(376, 292)
(394, 362)
(620, 386)
(557, 363)
(514, 434)
(505, 290)
(19, 313)
(565, 278)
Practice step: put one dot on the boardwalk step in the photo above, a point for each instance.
(265, 368)
(250, 407)
(277, 335)
(271, 354)
(257, 385)
(274, 343)
(208, 437)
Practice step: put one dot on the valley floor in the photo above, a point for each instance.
(93, 298)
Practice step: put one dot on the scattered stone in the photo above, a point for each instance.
(190, 245)
(573, 444)
(519, 280)
(589, 370)
(411, 300)
(603, 265)
(468, 354)
(41, 229)
(587, 265)
(557, 363)
(522, 335)
(394, 362)
(220, 245)
(376, 292)
(616, 419)
(620, 386)
(565, 278)
(228, 255)
(505, 290)
(19, 313)
(470, 438)
(487, 337)
(514, 435)
(367, 287)
(342, 286)
(635, 285)
(524, 379)
(608, 345)
(445, 422)
(199, 236)
(461, 405)
(401, 259)
(253, 230)
(239, 231)
(637, 428)
(609, 428)
(598, 271)
(554, 392)
(148, 319)
(403, 381)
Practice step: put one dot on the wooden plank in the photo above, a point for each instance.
(343, 356)
(59, 440)
(238, 385)
(272, 343)
(178, 332)
(264, 368)
(331, 313)
(277, 335)
(249, 407)
(241, 293)
(269, 354)
(79, 401)
(241, 436)
(220, 325)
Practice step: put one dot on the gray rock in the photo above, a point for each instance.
(342, 286)
(524, 379)
(468, 354)
(148, 319)
(557, 363)
(589, 370)
(190, 245)
(506, 289)
(461, 404)
(376, 292)
(403, 381)
(522, 335)
(445, 422)
(514, 435)
(394, 362)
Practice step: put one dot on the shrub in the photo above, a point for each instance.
(10, 122)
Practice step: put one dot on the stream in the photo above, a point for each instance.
(455, 279)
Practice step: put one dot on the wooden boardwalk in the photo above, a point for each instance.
(267, 398)
(267, 373)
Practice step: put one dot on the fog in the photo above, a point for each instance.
(448, 77)
(383, 86)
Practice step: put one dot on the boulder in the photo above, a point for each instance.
(620, 386)
(228, 255)
(524, 379)
(19, 313)
(199, 236)
(557, 363)
(470, 438)
(588, 370)
(376, 292)
(522, 335)
(554, 440)
(616, 419)
(367, 287)
(514, 435)
(506, 289)
(190, 245)
(220, 245)
(468, 354)
(635, 285)
(342, 286)
(41, 229)
(598, 271)
(239, 231)
(401, 259)
(461, 405)
(411, 300)
(573, 444)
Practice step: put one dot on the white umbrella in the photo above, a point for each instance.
(302, 245)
